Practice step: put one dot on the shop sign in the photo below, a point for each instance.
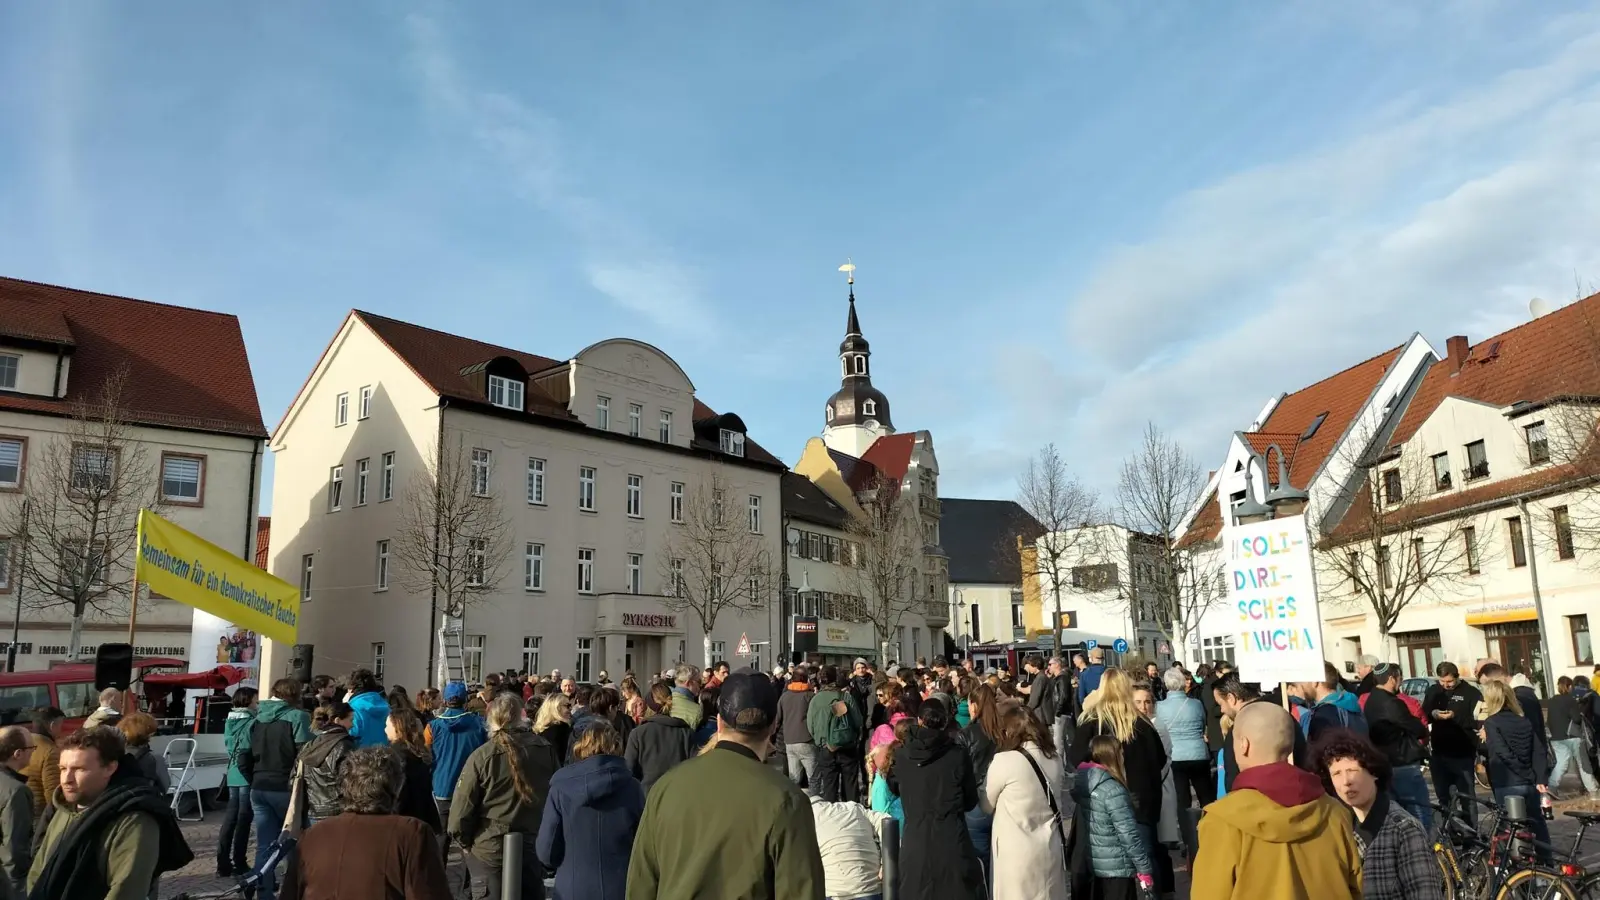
(649, 620)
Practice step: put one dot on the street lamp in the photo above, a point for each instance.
(1278, 496)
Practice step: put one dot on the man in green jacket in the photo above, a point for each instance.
(834, 720)
(686, 686)
(724, 824)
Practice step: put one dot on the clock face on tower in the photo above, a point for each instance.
(845, 408)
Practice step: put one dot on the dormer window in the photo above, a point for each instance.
(8, 371)
(732, 442)
(829, 412)
(869, 408)
(506, 393)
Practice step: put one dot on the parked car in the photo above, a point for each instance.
(1417, 687)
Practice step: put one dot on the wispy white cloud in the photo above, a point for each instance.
(621, 259)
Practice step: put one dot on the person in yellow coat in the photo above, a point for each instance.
(1277, 834)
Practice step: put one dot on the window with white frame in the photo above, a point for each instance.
(755, 514)
(869, 408)
(472, 657)
(602, 413)
(530, 654)
(364, 403)
(635, 418)
(535, 480)
(480, 471)
(505, 393)
(336, 489)
(383, 566)
(674, 586)
(533, 567)
(10, 462)
(306, 564)
(94, 469)
(585, 570)
(584, 663)
(8, 371)
(665, 426)
(719, 651)
(635, 573)
(677, 501)
(362, 473)
(377, 660)
(477, 561)
(341, 409)
(386, 478)
(731, 442)
(754, 588)
(636, 496)
(586, 488)
(182, 478)
(1215, 648)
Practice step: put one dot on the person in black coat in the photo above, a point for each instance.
(933, 777)
(978, 739)
(657, 744)
(404, 730)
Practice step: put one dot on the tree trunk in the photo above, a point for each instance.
(1180, 640)
(75, 637)
(883, 649)
(706, 642)
(1055, 623)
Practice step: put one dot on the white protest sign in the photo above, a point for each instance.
(1272, 590)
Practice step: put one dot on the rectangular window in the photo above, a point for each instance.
(1519, 547)
(341, 409)
(364, 404)
(1582, 649)
(1215, 648)
(472, 657)
(336, 489)
(585, 570)
(1538, 444)
(755, 514)
(94, 470)
(731, 442)
(1477, 461)
(1392, 491)
(8, 371)
(582, 665)
(1017, 623)
(530, 654)
(602, 413)
(1385, 576)
(1469, 540)
(505, 393)
(183, 479)
(635, 417)
(635, 573)
(386, 479)
(535, 480)
(480, 471)
(1563, 522)
(636, 496)
(306, 563)
(377, 660)
(1418, 557)
(11, 453)
(383, 565)
(677, 501)
(719, 651)
(675, 586)
(362, 472)
(477, 561)
(1441, 471)
(533, 567)
(586, 488)
(666, 426)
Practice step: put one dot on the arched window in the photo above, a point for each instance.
(844, 366)
(869, 408)
(861, 365)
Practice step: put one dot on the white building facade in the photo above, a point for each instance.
(1106, 584)
(593, 460)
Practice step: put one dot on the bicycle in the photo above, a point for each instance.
(1570, 881)
(1499, 866)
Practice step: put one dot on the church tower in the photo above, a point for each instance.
(858, 413)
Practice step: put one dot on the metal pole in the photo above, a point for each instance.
(16, 615)
(1538, 602)
(889, 841)
(511, 867)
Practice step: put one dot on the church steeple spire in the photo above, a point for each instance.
(857, 403)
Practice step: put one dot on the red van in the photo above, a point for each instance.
(69, 687)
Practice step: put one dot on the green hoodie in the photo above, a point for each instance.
(271, 710)
(236, 738)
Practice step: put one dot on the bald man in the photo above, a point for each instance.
(1297, 839)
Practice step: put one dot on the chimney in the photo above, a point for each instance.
(1456, 350)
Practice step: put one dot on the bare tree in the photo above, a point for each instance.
(454, 538)
(888, 539)
(1062, 506)
(712, 562)
(76, 529)
(1156, 488)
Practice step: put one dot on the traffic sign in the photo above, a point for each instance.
(1120, 645)
(744, 645)
(1090, 644)
(1163, 648)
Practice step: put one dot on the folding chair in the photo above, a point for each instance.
(183, 777)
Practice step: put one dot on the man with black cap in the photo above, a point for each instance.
(725, 825)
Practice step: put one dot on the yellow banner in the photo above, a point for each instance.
(198, 573)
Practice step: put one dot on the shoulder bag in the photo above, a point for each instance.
(294, 819)
(1055, 811)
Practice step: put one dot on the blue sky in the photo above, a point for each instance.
(1070, 218)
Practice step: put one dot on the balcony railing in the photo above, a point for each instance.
(928, 505)
(937, 612)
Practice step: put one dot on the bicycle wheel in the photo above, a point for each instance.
(1475, 876)
(1536, 884)
(1445, 857)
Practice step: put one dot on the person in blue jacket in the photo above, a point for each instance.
(454, 734)
(371, 708)
(1089, 678)
(591, 816)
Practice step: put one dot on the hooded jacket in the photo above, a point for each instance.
(1276, 834)
(1340, 709)
(791, 726)
(280, 730)
(587, 830)
(236, 740)
(934, 780)
(659, 743)
(372, 714)
(324, 758)
(455, 734)
(486, 806)
(1393, 729)
(43, 772)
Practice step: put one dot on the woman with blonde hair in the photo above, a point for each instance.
(1515, 754)
(1115, 714)
(554, 723)
(591, 816)
(502, 791)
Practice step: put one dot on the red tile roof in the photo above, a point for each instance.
(891, 454)
(438, 358)
(1207, 524)
(187, 367)
(263, 540)
(1557, 354)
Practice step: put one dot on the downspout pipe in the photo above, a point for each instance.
(433, 599)
(1538, 601)
(252, 501)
